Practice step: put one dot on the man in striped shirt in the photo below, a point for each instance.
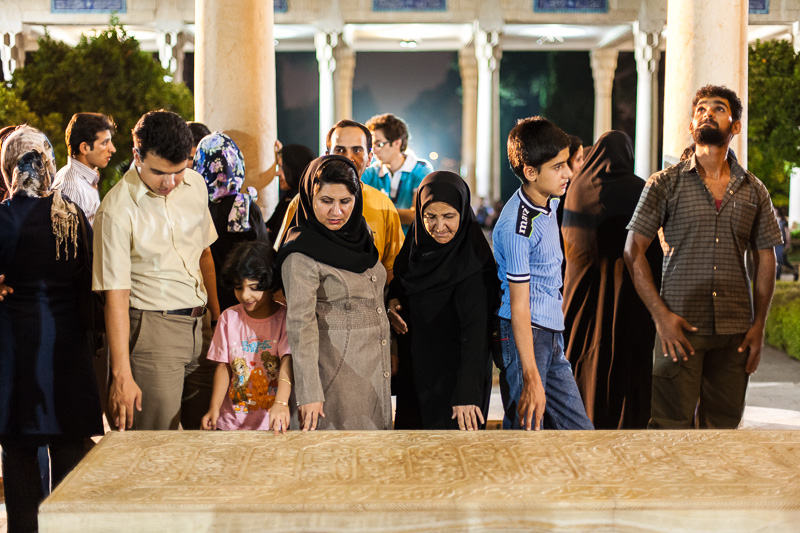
(707, 211)
(90, 148)
(536, 381)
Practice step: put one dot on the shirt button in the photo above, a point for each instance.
(715, 267)
(380, 310)
(716, 240)
(374, 279)
(386, 374)
(383, 342)
(713, 294)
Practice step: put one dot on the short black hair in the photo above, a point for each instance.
(723, 92)
(84, 127)
(250, 260)
(393, 128)
(164, 134)
(199, 130)
(337, 172)
(347, 123)
(533, 142)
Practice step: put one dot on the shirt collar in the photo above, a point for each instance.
(137, 189)
(737, 171)
(530, 205)
(83, 171)
(408, 164)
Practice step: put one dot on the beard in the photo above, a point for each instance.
(710, 136)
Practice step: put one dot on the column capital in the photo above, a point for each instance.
(325, 42)
(646, 45)
(487, 49)
(604, 63)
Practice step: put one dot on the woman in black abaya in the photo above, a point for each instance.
(444, 292)
(609, 333)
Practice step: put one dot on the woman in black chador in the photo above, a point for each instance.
(609, 333)
(443, 295)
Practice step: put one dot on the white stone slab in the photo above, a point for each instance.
(433, 481)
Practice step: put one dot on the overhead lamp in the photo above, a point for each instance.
(549, 39)
(408, 43)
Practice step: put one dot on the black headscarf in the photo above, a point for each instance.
(425, 264)
(349, 248)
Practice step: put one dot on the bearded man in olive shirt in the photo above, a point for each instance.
(710, 211)
(152, 260)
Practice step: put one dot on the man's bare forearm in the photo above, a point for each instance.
(118, 329)
(636, 260)
(764, 264)
(210, 282)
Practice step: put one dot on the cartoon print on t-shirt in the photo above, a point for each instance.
(238, 393)
(272, 365)
(253, 387)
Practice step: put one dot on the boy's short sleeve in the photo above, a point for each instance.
(518, 260)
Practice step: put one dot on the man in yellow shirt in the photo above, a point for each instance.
(152, 260)
(354, 141)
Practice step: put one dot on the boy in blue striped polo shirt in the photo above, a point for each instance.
(536, 381)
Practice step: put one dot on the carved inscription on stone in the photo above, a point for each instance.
(492, 471)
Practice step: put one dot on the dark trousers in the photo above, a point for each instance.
(28, 474)
(714, 377)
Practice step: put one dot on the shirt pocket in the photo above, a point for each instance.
(742, 219)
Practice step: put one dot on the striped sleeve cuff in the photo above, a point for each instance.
(518, 278)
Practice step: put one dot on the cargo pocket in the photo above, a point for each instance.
(665, 367)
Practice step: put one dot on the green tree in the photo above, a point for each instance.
(107, 73)
(773, 135)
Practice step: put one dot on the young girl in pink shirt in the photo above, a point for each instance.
(253, 379)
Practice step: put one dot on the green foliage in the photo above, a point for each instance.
(773, 135)
(783, 322)
(106, 73)
(14, 110)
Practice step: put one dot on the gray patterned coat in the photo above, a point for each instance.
(339, 336)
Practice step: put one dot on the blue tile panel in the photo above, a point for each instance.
(570, 6)
(88, 6)
(759, 7)
(409, 5)
(281, 6)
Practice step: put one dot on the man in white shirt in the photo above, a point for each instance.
(90, 148)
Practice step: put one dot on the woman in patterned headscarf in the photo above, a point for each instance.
(48, 392)
(236, 216)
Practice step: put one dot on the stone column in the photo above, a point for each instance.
(342, 83)
(325, 43)
(700, 53)
(235, 84)
(646, 52)
(468, 68)
(495, 168)
(604, 64)
(485, 43)
(796, 37)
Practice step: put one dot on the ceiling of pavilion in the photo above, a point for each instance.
(417, 37)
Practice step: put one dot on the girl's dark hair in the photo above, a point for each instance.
(296, 158)
(250, 260)
(337, 172)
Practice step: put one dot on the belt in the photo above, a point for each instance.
(194, 312)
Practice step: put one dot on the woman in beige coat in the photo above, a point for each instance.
(336, 320)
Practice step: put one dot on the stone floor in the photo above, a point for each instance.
(773, 401)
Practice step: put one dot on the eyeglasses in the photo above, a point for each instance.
(381, 144)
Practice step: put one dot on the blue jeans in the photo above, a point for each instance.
(564, 408)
